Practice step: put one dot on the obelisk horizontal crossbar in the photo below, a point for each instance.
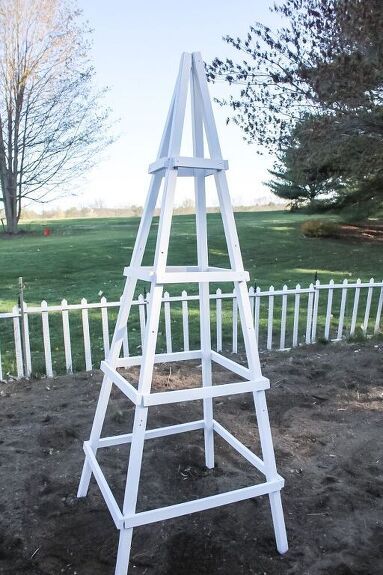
(194, 354)
(185, 274)
(189, 166)
(159, 398)
(169, 165)
(162, 513)
(177, 510)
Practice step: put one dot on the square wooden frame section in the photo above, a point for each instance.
(147, 400)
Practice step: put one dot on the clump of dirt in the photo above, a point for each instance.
(326, 411)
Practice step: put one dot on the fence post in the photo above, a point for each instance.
(26, 368)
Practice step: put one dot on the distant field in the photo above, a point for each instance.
(84, 257)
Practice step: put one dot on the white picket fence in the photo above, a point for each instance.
(283, 319)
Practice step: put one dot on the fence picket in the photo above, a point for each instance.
(368, 307)
(27, 343)
(235, 326)
(328, 311)
(379, 312)
(1, 366)
(46, 339)
(125, 340)
(315, 312)
(342, 309)
(310, 301)
(168, 323)
(86, 335)
(282, 341)
(270, 318)
(17, 340)
(105, 326)
(142, 316)
(373, 305)
(256, 314)
(355, 308)
(218, 304)
(251, 297)
(185, 320)
(66, 334)
(297, 301)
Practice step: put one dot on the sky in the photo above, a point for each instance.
(136, 51)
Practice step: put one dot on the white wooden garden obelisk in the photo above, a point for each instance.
(165, 170)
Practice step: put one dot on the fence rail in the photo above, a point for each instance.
(53, 339)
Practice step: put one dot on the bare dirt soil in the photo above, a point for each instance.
(326, 411)
(369, 232)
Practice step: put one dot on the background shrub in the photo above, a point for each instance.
(319, 229)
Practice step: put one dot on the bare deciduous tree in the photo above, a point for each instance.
(52, 122)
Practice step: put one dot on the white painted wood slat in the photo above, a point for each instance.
(46, 339)
(379, 312)
(282, 341)
(342, 310)
(185, 321)
(67, 338)
(328, 311)
(105, 325)
(218, 304)
(86, 336)
(355, 308)
(270, 318)
(27, 343)
(368, 307)
(168, 323)
(297, 301)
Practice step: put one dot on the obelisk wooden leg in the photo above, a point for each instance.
(270, 470)
(139, 427)
(203, 263)
(123, 553)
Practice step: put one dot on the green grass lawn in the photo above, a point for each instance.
(84, 257)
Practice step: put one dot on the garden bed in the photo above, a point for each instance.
(326, 411)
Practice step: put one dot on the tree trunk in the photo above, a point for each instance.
(10, 205)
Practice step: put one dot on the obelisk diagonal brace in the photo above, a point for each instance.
(170, 165)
